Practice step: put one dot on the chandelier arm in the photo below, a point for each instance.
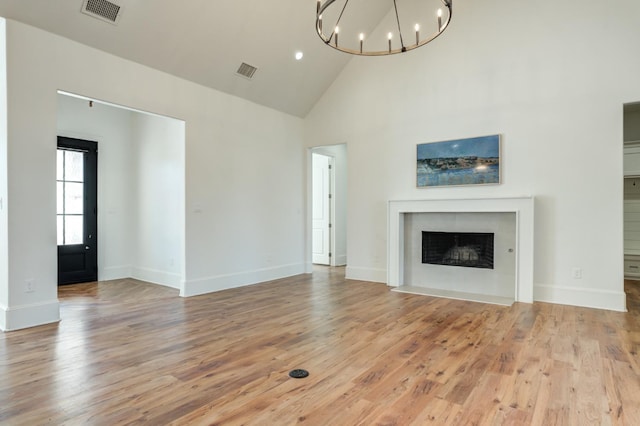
(328, 3)
(338, 21)
(395, 6)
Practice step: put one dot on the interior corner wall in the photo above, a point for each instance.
(111, 128)
(244, 180)
(140, 188)
(557, 100)
(158, 182)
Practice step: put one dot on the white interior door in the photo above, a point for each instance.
(321, 207)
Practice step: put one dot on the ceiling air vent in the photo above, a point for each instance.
(246, 70)
(102, 9)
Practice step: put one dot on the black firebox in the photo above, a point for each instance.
(468, 249)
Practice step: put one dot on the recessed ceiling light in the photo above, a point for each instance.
(299, 56)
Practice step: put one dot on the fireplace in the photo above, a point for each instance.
(509, 219)
(466, 249)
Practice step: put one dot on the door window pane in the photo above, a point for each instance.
(73, 197)
(60, 230)
(70, 196)
(73, 230)
(73, 166)
(60, 198)
(60, 163)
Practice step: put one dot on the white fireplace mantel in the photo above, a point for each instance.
(523, 207)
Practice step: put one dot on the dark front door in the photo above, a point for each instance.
(77, 180)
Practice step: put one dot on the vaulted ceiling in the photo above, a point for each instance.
(205, 41)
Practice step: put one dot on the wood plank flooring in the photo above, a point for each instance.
(127, 352)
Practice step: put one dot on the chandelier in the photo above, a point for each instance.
(413, 27)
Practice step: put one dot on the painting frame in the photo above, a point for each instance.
(459, 162)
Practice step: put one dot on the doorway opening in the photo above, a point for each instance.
(631, 138)
(328, 205)
(140, 188)
(321, 207)
(77, 210)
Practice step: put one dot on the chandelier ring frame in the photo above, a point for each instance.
(333, 36)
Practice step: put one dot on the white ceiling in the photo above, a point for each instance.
(205, 41)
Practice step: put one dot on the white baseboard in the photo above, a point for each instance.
(587, 298)
(168, 279)
(456, 295)
(25, 316)
(240, 279)
(114, 273)
(366, 274)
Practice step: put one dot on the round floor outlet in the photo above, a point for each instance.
(298, 373)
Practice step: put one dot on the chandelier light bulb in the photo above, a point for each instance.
(361, 36)
(336, 31)
(390, 36)
(417, 27)
(439, 20)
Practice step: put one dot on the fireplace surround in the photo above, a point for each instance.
(521, 207)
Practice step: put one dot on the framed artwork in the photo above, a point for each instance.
(471, 161)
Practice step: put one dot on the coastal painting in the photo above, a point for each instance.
(471, 161)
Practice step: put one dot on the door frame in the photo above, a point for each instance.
(335, 200)
(90, 224)
(331, 160)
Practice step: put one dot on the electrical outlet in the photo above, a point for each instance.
(29, 286)
(576, 273)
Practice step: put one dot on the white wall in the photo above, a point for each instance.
(4, 225)
(111, 128)
(551, 78)
(158, 181)
(244, 170)
(339, 154)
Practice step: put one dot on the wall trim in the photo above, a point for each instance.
(366, 274)
(3, 318)
(341, 260)
(583, 297)
(25, 316)
(114, 273)
(155, 276)
(240, 279)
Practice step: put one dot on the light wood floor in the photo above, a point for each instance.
(129, 352)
